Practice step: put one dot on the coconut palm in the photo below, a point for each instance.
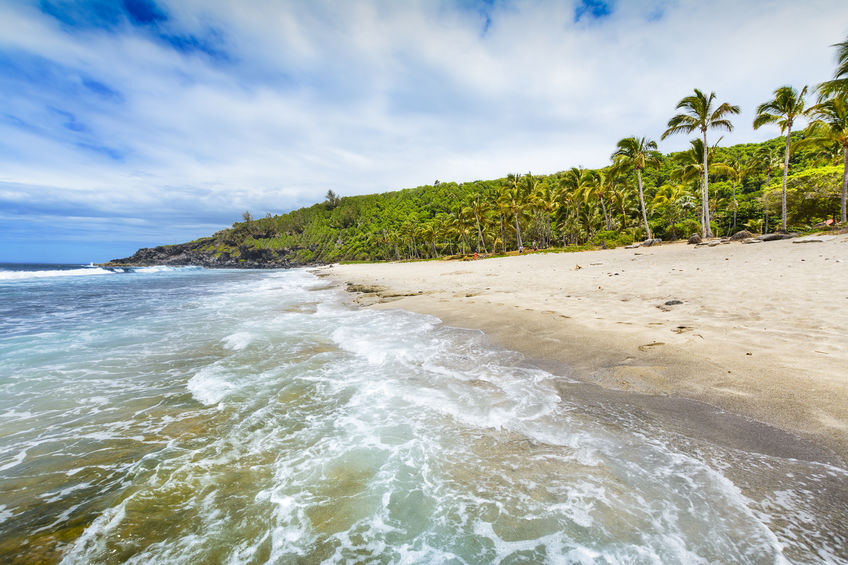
(478, 208)
(701, 112)
(691, 169)
(637, 154)
(576, 182)
(514, 200)
(770, 162)
(786, 106)
(736, 170)
(600, 190)
(670, 198)
(547, 201)
(839, 84)
(429, 232)
(830, 124)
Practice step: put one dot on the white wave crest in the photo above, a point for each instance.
(237, 341)
(23, 275)
(209, 388)
(163, 269)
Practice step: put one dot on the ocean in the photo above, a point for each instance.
(179, 415)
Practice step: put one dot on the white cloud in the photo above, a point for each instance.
(371, 96)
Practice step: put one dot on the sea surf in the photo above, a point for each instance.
(168, 415)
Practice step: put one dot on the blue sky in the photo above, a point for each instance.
(139, 122)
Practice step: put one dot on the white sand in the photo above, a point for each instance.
(762, 329)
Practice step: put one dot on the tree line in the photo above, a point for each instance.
(790, 182)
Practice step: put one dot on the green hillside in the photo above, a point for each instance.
(551, 210)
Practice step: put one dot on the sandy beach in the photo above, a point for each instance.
(744, 343)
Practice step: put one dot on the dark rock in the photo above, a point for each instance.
(740, 235)
(694, 239)
(650, 242)
(776, 236)
(204, 253)
(673, 302)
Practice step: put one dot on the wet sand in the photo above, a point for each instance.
(742, 344)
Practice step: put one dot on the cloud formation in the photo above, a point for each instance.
(148, 122)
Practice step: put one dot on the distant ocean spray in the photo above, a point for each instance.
(170, 415)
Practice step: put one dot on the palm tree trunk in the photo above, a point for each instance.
(735, 208)
(503, 234)
(844, 183)
(642, 204)
(606, 217)
(785, 174)
(577, 217)
(765, 202)
(705, 201)
(480, 235)
(518, 231)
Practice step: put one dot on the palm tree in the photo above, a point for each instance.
(461, 225)
(428, 233)
(576, 182)
(409, 229)
(691, 169)
(600, 189)
(736, 170)
(786, 106)
(670, 197)
(701, 113)
(620, 197)
(770, 162)
(442, 227)
(830, 125)
(547, 201)
(514, 201)
(839, 84)
(637, 154)
(478, 209)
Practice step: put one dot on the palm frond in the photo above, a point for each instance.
(764, 118)
(722, 124)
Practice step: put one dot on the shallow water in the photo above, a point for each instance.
(188, 416)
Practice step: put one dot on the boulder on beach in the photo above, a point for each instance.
(694, 239)
(740, 235)
(776, 236)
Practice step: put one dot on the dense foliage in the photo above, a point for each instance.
(792, 182)
(570, 208)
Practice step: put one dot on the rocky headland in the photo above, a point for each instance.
(205, 253)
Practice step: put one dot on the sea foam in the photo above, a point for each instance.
(24, 275)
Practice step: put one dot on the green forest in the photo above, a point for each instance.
(795, 182)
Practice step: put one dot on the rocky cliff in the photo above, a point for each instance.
(210, 253)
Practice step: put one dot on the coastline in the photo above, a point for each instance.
(743, 345)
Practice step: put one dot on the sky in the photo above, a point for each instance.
(134, 123)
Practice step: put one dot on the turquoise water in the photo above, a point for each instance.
(194, 416)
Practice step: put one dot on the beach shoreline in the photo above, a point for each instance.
(740, 344)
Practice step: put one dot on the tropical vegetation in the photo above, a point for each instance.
(641, 194)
